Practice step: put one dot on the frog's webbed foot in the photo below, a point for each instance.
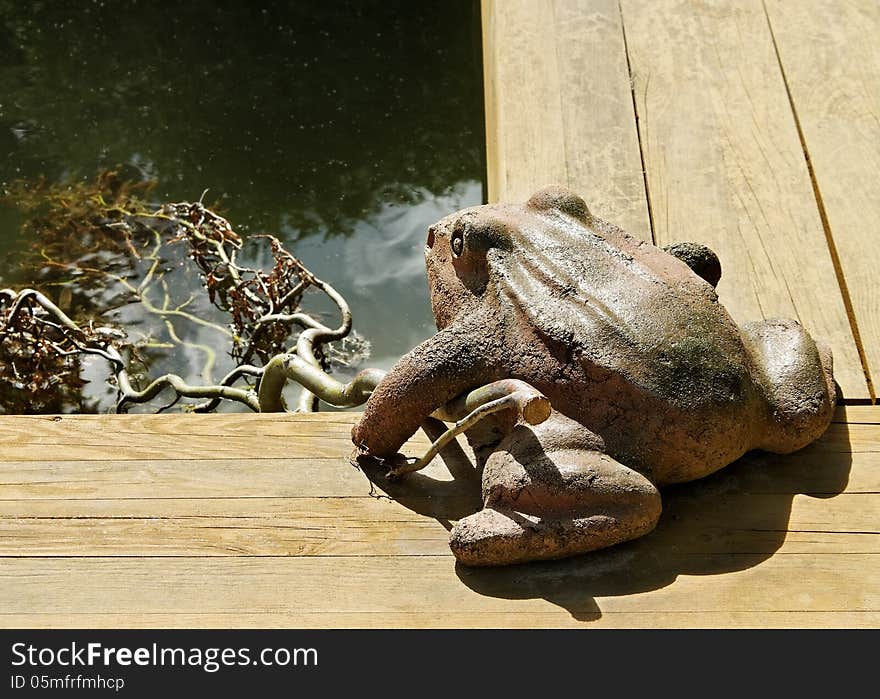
(547, 497)
(702, 260)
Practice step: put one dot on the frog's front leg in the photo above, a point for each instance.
(550, 492)
(431, 375)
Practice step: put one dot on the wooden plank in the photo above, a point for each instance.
(709, 525)
(217, 437)
(725, 165)
(830, 54)
(226, 537)
(852, 450)
(167, 478)
(147, 446)
(218, 527)
(201, 478)
(559, 106)
(858, 414)
(431, 591)
(498, 619)
(813, 470)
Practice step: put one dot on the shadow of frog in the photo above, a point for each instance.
(726, 522)
(443, 500)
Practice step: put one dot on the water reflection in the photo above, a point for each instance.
(345, 129)
(380, 268)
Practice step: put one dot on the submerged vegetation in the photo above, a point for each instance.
(115, 272)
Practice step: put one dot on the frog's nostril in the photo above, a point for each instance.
(430, 241)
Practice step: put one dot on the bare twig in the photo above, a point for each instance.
(508, 394)
(113, 225)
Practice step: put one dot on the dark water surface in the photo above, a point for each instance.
(345, 128)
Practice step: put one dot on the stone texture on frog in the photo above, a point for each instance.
(650, 380)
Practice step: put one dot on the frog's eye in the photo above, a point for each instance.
(457, 242)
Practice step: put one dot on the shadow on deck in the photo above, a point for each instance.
(732, 520)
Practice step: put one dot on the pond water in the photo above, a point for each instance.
(343, 128)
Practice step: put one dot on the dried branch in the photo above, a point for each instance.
(529, 404)
(107, 244)
(28, 315)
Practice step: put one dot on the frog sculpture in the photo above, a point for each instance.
(650, 380)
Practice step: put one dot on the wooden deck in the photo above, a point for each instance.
(750, 126)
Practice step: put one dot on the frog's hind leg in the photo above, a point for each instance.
(550, 499)
(796, 374)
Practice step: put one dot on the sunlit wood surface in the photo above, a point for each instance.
(749, 126)
(253, 520)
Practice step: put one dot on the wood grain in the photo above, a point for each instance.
(429, 591)
(830, 53)
(219, 437)
(238, 534)
(813, 470)
(285, 618)
(380, 527)
(725, 165)
(559, 106)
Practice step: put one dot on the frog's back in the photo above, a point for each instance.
(629, 308)
(628, 341)
(657, 367)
